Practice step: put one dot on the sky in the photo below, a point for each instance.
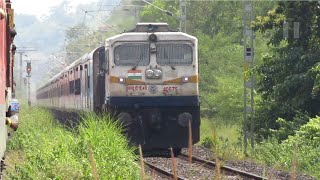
(41, 8)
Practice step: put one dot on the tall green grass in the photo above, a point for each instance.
(307, 139)
(226, 137)
(49, 151)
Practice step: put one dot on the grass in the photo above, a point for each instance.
(49, 151)
(42, 149)
(224, 140)
(299, 153)
(227, 135)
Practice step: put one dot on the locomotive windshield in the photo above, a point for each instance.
(174, 54)
(132, 54)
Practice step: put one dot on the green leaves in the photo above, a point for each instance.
(311, 131)
(307, 137)
(287, 80)
(153, 14)
(52, 152)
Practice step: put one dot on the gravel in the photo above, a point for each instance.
(248, 166)
(199, 172)
(184, 169)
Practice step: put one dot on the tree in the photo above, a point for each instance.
(152, 14)
(287, 80)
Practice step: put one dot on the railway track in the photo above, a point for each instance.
(162, 172)
(199, 169)
(225, 169)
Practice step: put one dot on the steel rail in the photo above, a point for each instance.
(225, 168)
(162, 171)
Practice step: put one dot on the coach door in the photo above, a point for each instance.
(81, 88)
(86, 81)
(101, 78)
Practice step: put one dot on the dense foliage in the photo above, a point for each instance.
(289, 79)
(307, 139)
(51, 152)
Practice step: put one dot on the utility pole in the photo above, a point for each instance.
(183, 16)
(21, 51)
(248, 78)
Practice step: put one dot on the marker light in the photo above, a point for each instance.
(122, 80)
(185, 79)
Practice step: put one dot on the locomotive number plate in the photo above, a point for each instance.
(170, 90)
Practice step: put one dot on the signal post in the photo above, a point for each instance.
(28, 76)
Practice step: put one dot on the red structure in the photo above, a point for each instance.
(7, 50)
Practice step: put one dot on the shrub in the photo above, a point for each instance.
(53, 152)
(308, 139)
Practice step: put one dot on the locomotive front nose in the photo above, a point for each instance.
(184, 118)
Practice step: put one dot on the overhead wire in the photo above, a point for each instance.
(163, 10)
(110, 26)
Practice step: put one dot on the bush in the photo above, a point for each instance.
(308, 140)
(53, 152)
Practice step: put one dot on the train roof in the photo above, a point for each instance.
(151, 27)
(132, 36)
(84, 58)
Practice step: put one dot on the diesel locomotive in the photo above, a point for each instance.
(147, 77)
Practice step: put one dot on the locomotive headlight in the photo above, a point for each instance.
(122, 80)
(149, 73)
(185, 79)
(157, 73)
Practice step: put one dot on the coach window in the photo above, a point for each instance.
(71, 87)
(81, 68)
(132, 54)
(88, 73)
(174, 54)
(71, 76)
(65, 84)
(76, 73)
(77, 87)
